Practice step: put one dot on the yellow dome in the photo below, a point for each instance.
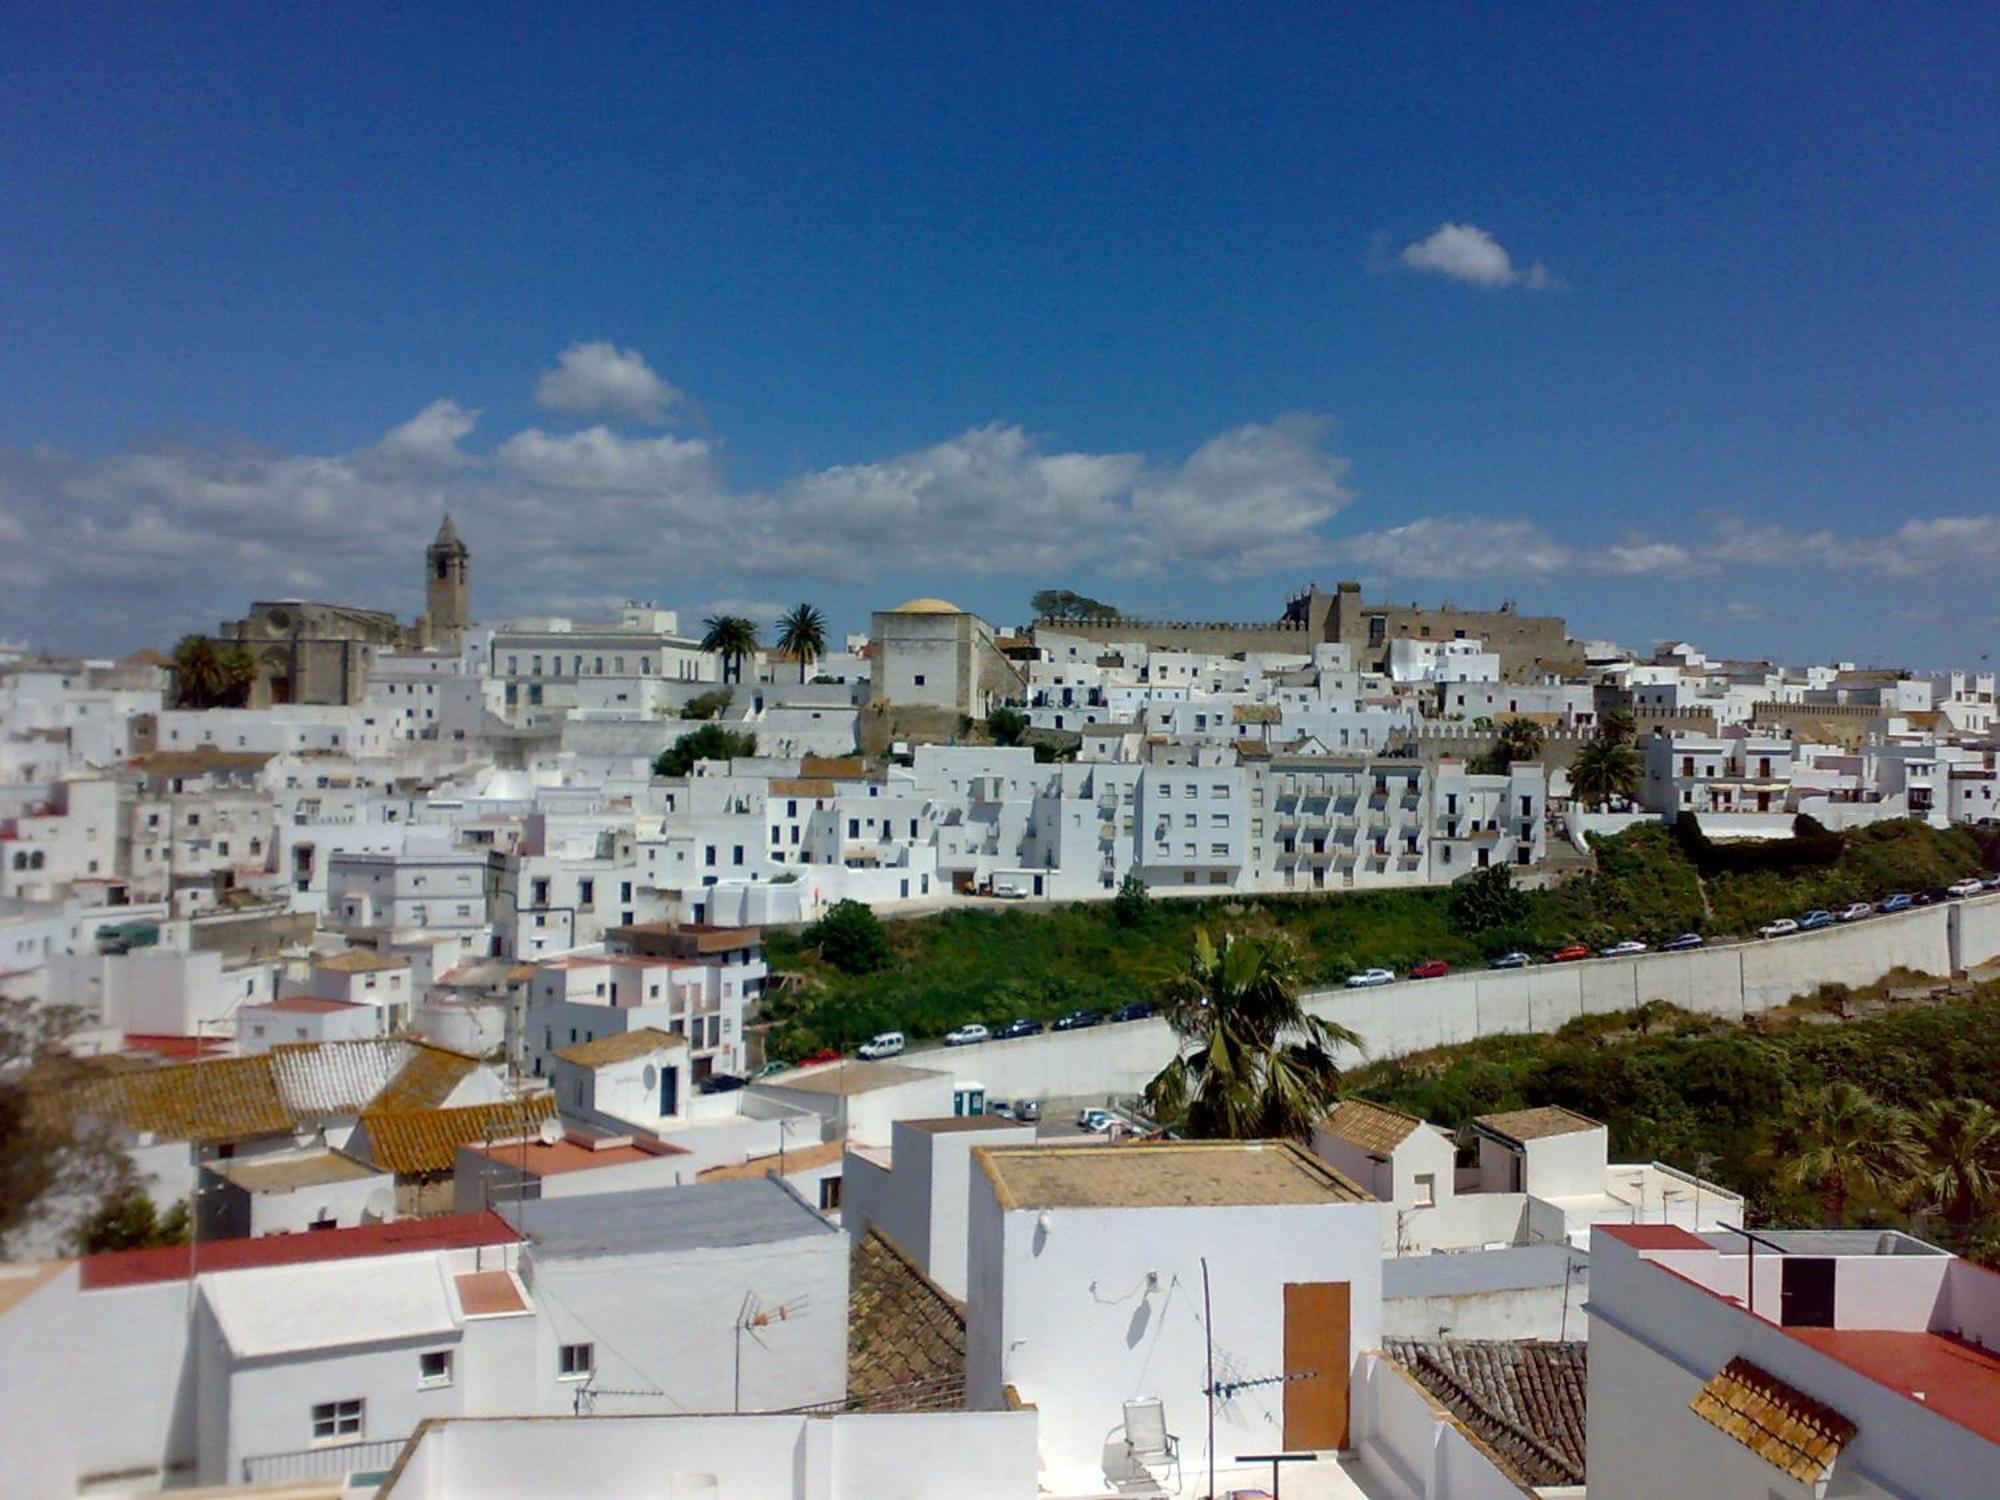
(927, 607)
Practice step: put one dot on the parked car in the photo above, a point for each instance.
(1854, 911)
(1094, 1120)
(824, 1055)
(1570, 954)
(1627, 949)
(882, 1044)
(1783, 927)
(1514, 960)
(1901, 901)
(1435, 968)
(1027, 1110)
(771, 1068)
(1687, 942)
(1992, 882)
(1022, 1027)
(1816, 918)
(1001, 1108)
(967, 1035)
(1138, 1010)
(1077, 1020)
(720, 1083)
(1367, 979)
(1961, 888)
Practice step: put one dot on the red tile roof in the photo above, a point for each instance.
(1653, 1236)
(538, 1160)
(485, 1294)
(117, 1268)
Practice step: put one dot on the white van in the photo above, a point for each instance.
(884, 1044)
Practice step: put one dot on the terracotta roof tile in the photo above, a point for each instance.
(621, 1048)
(224, 1099)
(421, 1142)
(359, 961)
(799, 1159)
(1526, 1401)
(1534, 1124)
(1371, 1126)
(1779, 1423)
(1170, 1174)
(905, 1337)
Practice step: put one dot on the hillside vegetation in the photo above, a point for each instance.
(987, 964)
(1707, 1095)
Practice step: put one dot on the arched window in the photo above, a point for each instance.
(20, 860)
(35, 860)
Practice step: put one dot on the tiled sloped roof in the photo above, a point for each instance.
(1371, 1126)
(360, 961)
(905, 1337)
(1534, 1124)
(224, 1099)
(1779, 1423)
(623, 1047)
(318, 1079)
(1524, 1400)
(418, 1142)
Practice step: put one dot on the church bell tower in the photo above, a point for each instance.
(447, 589)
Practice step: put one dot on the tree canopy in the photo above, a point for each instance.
(210, 674)
(1007, 725)
(1063, 605)
(851, 938)
(734, 639)
(710, 742)
(802, 634)
(1605, 767)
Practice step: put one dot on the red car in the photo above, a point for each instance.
(824, 1055)
(1436, 968)
(1570, 954)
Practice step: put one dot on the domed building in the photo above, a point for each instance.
(929, 653)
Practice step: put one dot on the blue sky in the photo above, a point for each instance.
(1681, 325)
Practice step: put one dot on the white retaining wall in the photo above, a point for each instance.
(1729, 980)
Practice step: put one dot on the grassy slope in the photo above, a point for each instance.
(991, 965)
(1699, 1092)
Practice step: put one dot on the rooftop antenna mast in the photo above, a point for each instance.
(753, 1317)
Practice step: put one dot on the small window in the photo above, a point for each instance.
(1426, 1189)
(334, 1420)
(920, 679)
(576, 1361)
(434, 1368)
(829, 1194)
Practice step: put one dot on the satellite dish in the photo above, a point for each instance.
(651, 1076)
(551, 1133)
(379, 1205)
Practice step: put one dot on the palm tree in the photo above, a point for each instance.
(1619, 727)
(200, 679)
(1958, 1160)
(732, 638)
(238, 666)
(802, 633)
(1836, 1139)
(1251, 1062)
(1604, 768)
(1520, 739)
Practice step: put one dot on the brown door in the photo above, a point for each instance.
(1316, 1364)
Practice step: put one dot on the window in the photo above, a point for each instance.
(434, 1368)
(576, 1362)
(1426, 1189)
(1218, 851)
(920, 679)
(829, 1194)
(333, 1420)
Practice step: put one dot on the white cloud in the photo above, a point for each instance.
(1643, 557)
(429, 440)
(1457, 547)
(1736, 612)
(598, 379)
(1465, 252)
(598, 459)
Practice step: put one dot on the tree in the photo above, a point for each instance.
(127, 1220)
(46, 1148)
(708, 705)
(710, 742)
(733, 638)
(1836, 1139)
(851, 938)
(1250, 1061)
(1957, 1160)
(200, 679)
(1130, 905)
(1619, 727)
(1604, 768)
(802, 633)
(1007, 725)
(1063, 606)
(239, 675)
(1520, 739)
(1488, 900)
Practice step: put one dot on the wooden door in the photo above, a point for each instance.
(1317, 1361)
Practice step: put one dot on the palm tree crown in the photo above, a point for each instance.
(1836, 1139)
(1958, 1159)
(802, 633)
(1604, 768)
(732, 637)
(1251, 1061)
(208, 675)
(1520, 739)
(1619, 727)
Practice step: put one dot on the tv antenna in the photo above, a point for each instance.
(752, 1318)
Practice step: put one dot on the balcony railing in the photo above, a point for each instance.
(328, 1459)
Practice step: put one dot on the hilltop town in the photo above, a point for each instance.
(419, 1023)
